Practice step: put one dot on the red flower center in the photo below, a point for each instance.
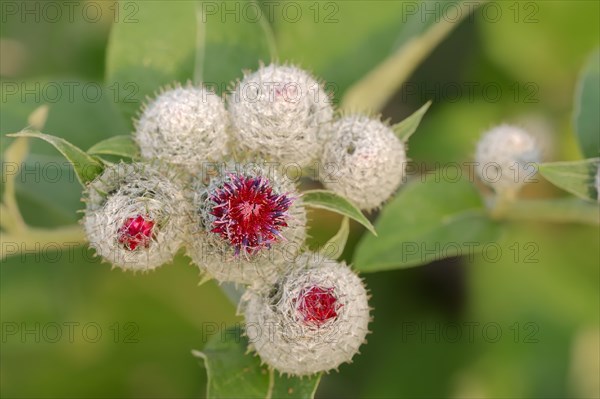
(248, 214)
(317, 305)
(136, 231)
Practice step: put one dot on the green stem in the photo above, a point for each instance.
(36, 239)
(374, 90)
(562, 210)
(500, 203)
(14, 155)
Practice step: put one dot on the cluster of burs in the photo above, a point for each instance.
(220, 178)
(215, 180)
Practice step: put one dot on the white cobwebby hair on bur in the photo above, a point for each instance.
(367, 158)
(185, 126)
(280, 113)
(279, 333)
(125, 191)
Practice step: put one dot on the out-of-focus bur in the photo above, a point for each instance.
(505, 158)
(597, 181)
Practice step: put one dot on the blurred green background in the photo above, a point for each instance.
(533, 313)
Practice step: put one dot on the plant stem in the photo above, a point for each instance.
(562, 210)
(36, 239)
(14, 156)
(501, 202)
(374, 90)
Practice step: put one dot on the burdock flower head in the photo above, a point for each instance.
(368, 160)
(317, 305)
(279, 112)
(135, 215)
(313, 319)
(184, 126)
(249, 219)
(136, 232)
(247, 213)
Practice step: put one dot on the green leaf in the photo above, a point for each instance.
(324, 199)
(334, 248)
(232, 373)
(185, 41)
(587, 104)
(229, 45)
(121, 146)
(577, 177)
(45, 189)
(294, 387)
(153, 48)
(427, 221)
(50, 196)
(74, 110)
(409, 125)
(86, 167)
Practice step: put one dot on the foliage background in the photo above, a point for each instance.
(559, 294)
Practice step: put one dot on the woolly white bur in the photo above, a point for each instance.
(140, 197)
(368, 161)
(313, 319)
(505, 157)
(279, 113)
(217, 256)
(184, 126)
